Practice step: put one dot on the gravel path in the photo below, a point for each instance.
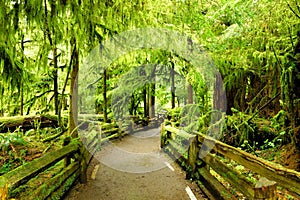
(134, 168)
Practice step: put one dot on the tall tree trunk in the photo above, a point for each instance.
(152, 94)
(152, 101)
(145, 102)
(190, 94)
(49, 34)
(62, 101)
(173, 85)
(55, 81)
(73, 112)
(148, 99)
(22, 84)
(219, 96)
(104, 96)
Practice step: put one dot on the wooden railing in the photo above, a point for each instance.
(13, 181)
(51, 175)
(205, 170)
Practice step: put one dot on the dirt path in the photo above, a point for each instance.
(135, 169)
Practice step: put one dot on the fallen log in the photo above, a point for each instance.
(26, 123)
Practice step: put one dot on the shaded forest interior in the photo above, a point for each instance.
(254, 46)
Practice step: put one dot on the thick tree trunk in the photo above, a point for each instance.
(104, 95)
(73, 112)
(173, 86)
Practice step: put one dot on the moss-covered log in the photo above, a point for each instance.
(28, 122)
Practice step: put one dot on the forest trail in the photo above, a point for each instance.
(135, 168)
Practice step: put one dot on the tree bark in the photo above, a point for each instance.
(73, 112)
(219, 102)
(22, 84)
(54, 50)
(173, 85)
(55, 81)
(152, 101)
(104, 95)
(145, 102)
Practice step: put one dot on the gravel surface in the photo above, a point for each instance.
(134, 168)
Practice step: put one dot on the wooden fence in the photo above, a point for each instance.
(54, 173)
(271, 174)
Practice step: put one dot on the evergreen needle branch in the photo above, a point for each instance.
(293, 9)
(256, 112)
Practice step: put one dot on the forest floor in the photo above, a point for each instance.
(134, 168)
(285, 155)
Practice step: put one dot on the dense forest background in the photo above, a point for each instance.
(254, 44)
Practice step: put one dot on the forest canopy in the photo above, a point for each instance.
(255, 46)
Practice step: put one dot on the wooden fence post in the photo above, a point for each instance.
(162, 136)
(99, 135)
(3, 188)
(83, 165)
(192, 156)
(265, 189)
(67, 160)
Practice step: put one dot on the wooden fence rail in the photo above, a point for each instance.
(73, 158)
(271, 174)
(21, 175)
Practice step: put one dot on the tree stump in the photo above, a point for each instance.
(265, 189)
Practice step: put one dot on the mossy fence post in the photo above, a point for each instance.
(3, 189)
(265, 189)
(67, 160)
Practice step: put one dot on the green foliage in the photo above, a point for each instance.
(189, 117)
(174, 114)
(8, 139)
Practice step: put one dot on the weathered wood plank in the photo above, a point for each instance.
(230, 175)
(3, 188)
(25, 172)
(173, 152)
(179, 133)
(110, 131)
(215, 188)
(286, 178)
(103, 140)
(177, 147)
(265, 189)
(93, 117)
(51, 185)
(59, 193)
